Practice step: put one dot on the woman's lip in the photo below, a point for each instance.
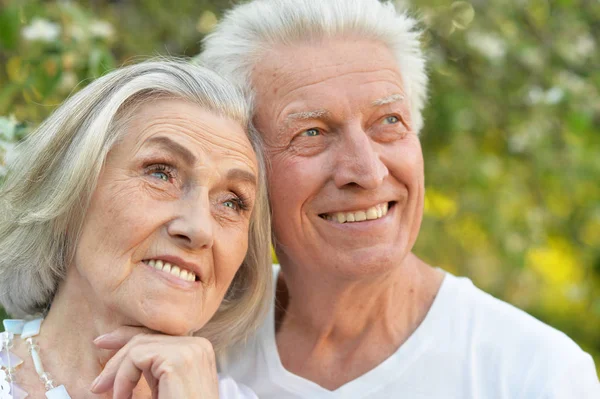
(181, 263)
(172, 280)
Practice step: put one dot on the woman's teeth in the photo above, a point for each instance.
(183, 274)
(375, 212)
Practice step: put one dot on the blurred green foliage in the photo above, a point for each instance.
(512, 155)
(511, 143)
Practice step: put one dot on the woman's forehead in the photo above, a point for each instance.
(189, 125)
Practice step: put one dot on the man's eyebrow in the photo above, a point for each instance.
(388, 100)
(242, 175)
(174, 147)
(315, 114)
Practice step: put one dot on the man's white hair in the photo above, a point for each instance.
(249, 30)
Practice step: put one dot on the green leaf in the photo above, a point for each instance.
(9, 33)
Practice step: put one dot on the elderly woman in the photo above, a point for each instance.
(139, 203)
(338, 89)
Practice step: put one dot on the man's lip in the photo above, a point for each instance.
(367, 227)
(354, 208)
(181, 263)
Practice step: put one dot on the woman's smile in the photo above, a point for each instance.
(171, 269)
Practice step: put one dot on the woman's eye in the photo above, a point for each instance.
(161, 175)
(236, 203)
(311, 133)
(390, 120)
(230, 204)
(161, 171)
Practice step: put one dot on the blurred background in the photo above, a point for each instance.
(511, 140)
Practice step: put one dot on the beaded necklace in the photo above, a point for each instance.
(9, 362)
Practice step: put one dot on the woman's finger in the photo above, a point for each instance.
(152, 383)
(182, 366)
(119, 371)
(104, 382)
(120, 337)
(126, 379)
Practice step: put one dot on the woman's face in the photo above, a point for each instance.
(167, 227)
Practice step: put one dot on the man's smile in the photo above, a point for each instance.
(375, 212)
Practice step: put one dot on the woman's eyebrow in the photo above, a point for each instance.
(242, 176)
(174, 147)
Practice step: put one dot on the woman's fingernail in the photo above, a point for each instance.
(100, 338)
(95, 384)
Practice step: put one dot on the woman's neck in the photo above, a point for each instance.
(66, 338)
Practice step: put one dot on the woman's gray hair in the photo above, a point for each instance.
(247, 31)
(48, 189)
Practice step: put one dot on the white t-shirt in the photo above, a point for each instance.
(470, 345)
(229, 389)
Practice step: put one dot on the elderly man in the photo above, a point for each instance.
(338, 89)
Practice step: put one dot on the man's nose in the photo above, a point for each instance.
(192, 228)
(358, 161)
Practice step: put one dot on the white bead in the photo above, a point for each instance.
(9, 360)
(60, 392)
(31, 328)
(14, 326)
(18, 392)
(37, 361)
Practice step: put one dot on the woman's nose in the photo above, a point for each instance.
(192, 228)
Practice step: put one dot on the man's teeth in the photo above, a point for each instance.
(375, 212)
(172, 269)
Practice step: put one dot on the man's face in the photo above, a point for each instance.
(346, 168)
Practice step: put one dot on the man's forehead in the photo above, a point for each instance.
(335, 56)
(314, 81)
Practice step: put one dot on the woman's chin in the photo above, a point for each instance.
(177, 326)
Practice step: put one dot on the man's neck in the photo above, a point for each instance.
(333, 332)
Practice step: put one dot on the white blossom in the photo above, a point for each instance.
(490, 46)
(537, 95)
(101, 29)
(554, 95)
(7, 128)
(584, 46)
(41, 30)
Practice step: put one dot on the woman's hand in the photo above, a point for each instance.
(174, 367)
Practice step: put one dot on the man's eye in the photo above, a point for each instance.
(311, 133)
(390, 120)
